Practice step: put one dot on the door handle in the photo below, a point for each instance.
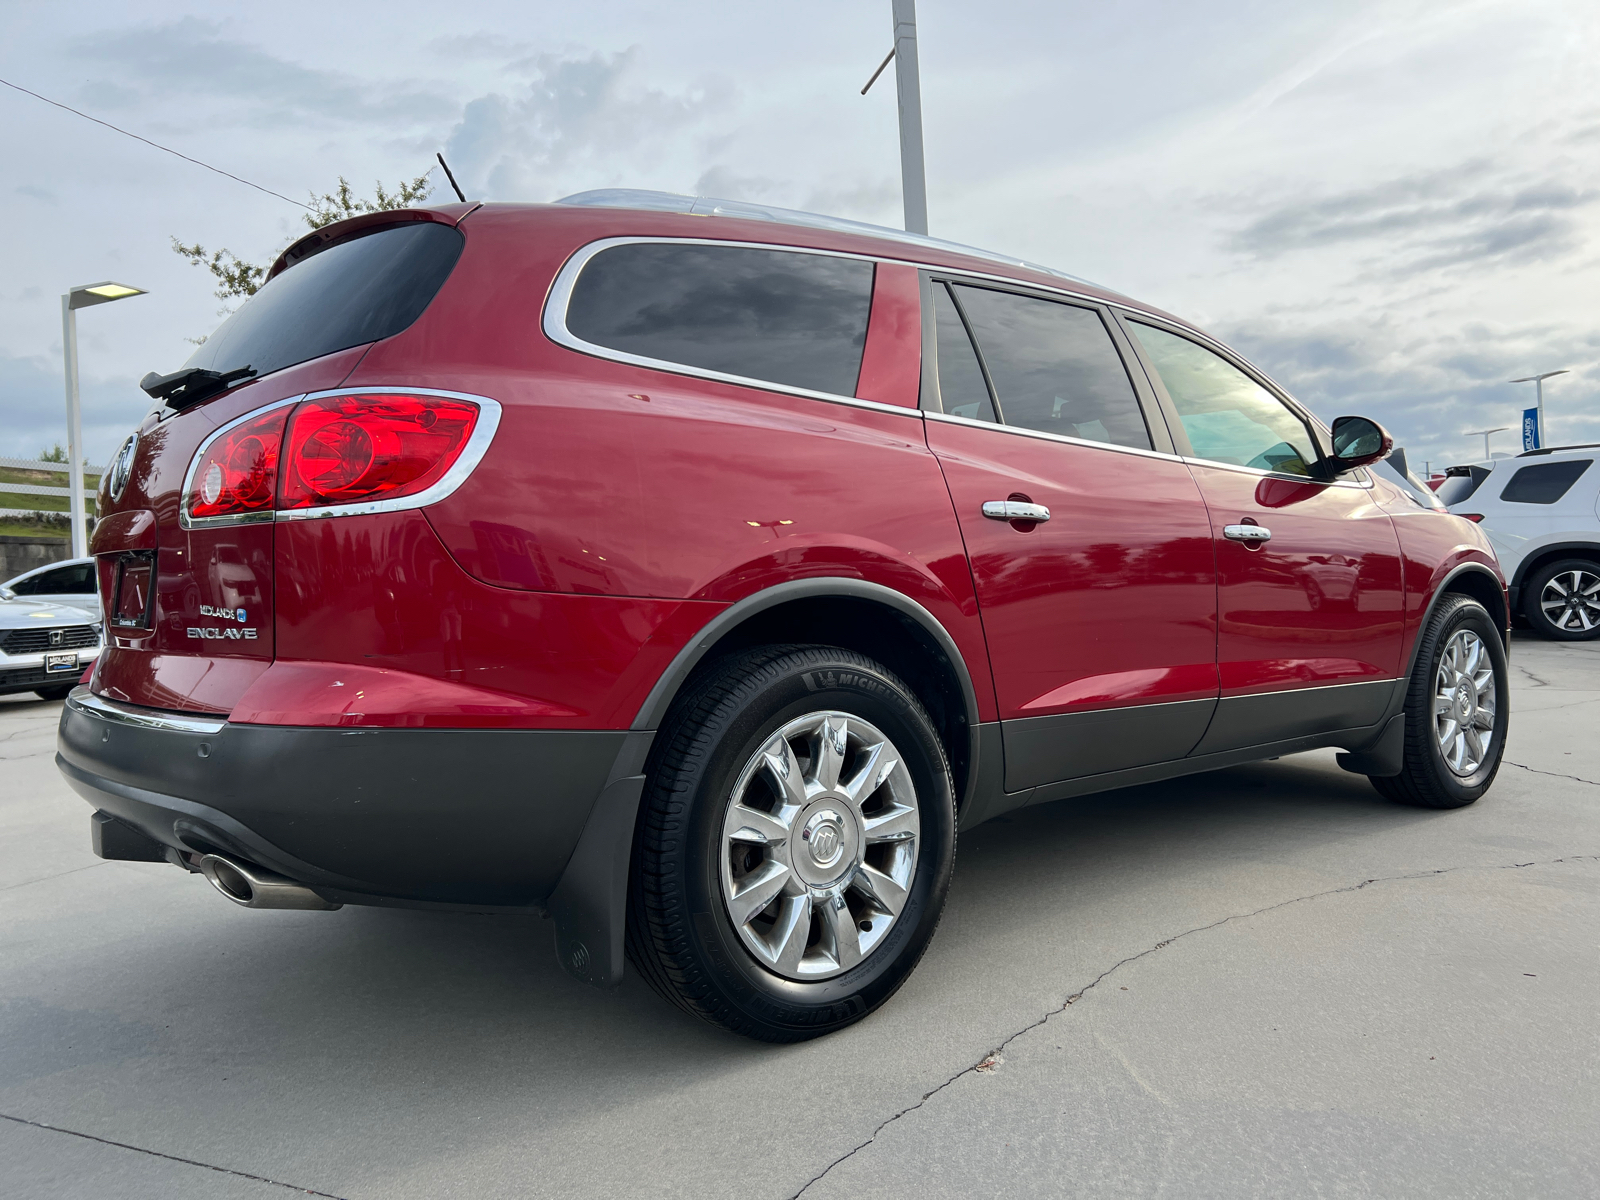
(1250, 535)
(1014, 510)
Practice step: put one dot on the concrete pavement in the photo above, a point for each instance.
(1265, 981)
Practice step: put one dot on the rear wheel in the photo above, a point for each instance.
(1456, 712)
(795, 844)
(1562, 600)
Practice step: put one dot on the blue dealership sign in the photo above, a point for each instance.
(1530, 429)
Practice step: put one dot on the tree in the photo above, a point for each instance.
(54, 455)
(241, 279)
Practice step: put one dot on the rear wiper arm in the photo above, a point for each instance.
(191, 385)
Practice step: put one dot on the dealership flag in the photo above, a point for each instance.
(1530, 429)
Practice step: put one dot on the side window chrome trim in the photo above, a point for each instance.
(555, 328)
(1019, 431)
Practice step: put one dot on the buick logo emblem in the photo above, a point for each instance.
(122, 467)
(57, 636)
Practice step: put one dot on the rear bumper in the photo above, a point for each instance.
(448, 816)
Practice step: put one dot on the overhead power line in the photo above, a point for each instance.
(148, 142)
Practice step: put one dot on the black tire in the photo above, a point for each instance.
(681, 937)
(1533, 595)
(1427, 780)
(58, 692)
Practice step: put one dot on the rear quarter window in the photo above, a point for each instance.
(1544, 483)
(362, 290)
(771, 315)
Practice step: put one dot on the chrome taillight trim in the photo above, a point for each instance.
(471, 455)
(86, 701)
(483, 431)
(258, 517)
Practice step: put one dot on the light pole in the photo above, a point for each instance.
(913, 176)
(1484, 433)
(1538, 393)
(81, 297)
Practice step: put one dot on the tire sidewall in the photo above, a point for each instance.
(1466, 614)
(811, 682)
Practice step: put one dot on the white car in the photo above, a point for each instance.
(71, 583)
(1541, 511)
(44, 648)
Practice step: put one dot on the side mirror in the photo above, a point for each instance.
(1358, 441)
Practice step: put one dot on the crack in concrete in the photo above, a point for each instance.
(47, 878)
(1537, 681)
(1159, 946)
(1552, 774)
(304, 1191)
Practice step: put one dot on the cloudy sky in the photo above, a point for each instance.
(1391, 207)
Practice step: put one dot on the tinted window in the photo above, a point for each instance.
(1545, 483)
(774, 315)
(1460, 487)
(352, 293)
(76, 579)
(962, 390)
(1054, 367)
(1229, 417)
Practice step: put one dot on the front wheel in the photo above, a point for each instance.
(1457, 710)
(795, 843)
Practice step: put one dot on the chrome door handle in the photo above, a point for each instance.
(1249, 534)
(1014, 510)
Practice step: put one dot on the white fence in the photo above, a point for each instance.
(40, 489)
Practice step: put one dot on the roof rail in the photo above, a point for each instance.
(652, 201)
(1559, 449)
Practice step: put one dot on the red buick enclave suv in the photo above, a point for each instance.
(691, 572)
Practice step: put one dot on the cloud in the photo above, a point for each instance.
(191, 55)
(1428, 221)
(1431, 385)
(578, 118)
(33, 398)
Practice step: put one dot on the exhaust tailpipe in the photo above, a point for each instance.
(251, 887)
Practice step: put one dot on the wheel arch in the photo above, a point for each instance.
(1544, 555)
(854, 614)
(1481, 584)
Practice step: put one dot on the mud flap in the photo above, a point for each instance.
(1385, 757)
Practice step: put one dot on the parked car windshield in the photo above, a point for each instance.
(354, 292)
(773, 315)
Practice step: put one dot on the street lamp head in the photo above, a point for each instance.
(100, 293)
(1537, 378)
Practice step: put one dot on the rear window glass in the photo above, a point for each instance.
(771, 315)
(359, 291)
(1545, 483)
(1457, 488)
(1054, 368)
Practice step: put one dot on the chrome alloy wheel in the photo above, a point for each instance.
(1571, 601)
(819, 845)
(1464, 699)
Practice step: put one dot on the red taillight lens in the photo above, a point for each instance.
(344, 449)
(1473, 517)
(239, 471)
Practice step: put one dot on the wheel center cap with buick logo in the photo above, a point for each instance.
(122, 467)
(824, 837)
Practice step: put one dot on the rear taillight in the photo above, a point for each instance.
(336, 451)
(237, 473)
(1473, 517)
(354, 449)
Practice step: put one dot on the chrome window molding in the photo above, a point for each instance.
(86, 701)
(477, 446)
(471, 455)
(555, 319)
(1040, 434)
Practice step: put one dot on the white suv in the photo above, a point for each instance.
(1541, 511)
